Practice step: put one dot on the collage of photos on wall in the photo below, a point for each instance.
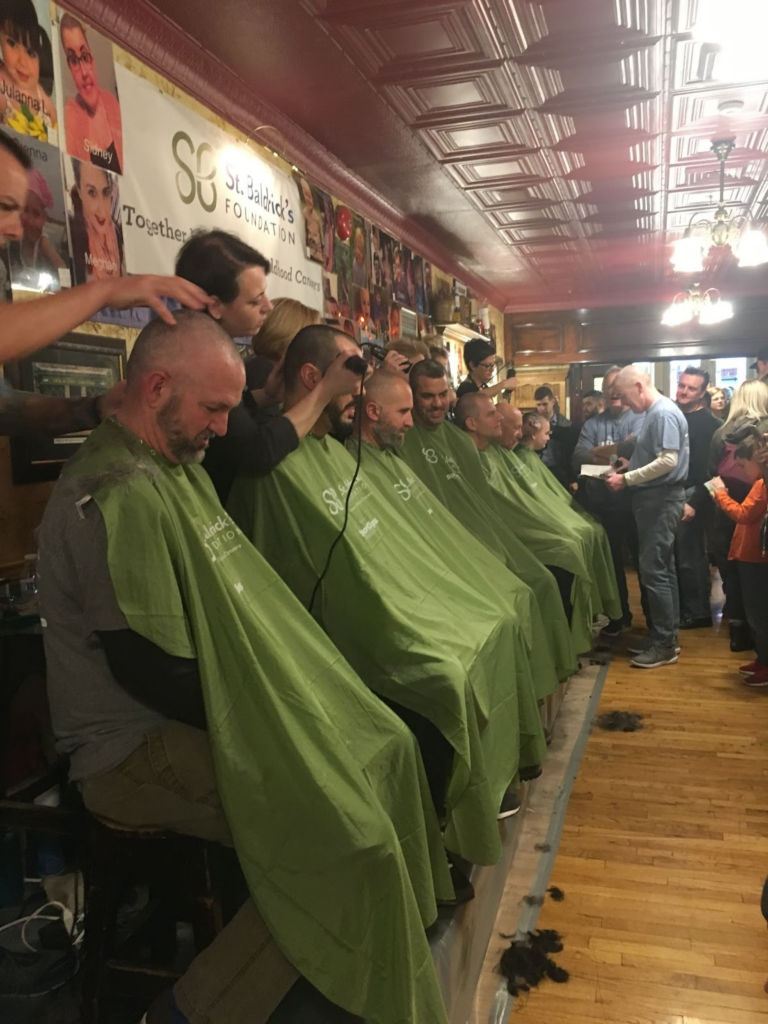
(58, 95)
(368, 277)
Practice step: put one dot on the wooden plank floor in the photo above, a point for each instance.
(663, 855)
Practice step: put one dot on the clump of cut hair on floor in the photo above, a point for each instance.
(620, 721)
(527, 961)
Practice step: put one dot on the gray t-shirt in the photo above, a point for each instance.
(664, 429)
(96, 723)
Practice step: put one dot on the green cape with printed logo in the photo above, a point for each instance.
(557, 547)
(539, 483)
(446, 460)
(322, 785)
(413, 629)
(468, 558)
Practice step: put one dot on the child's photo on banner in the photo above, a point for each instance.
(27, 103)
(39, 260)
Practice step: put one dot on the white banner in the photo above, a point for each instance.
(182, 172)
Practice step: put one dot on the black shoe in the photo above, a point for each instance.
(703, 623)
(463, 889)
(509, 805)
(533, 771)
(614, 629)
(741, 637)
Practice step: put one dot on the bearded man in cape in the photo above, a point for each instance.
(192, 692)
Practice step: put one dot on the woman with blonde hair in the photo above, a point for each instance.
(718, 402)
(287, 318)
(749, 406)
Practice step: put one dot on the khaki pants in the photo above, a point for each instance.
(169, 783)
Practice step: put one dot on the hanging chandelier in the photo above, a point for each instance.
(748, 244)
(706, 307)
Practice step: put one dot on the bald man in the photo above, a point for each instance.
(385, 420)
(656, 479)
(193, 693)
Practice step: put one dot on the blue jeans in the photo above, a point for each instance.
(657, 510)
(693, 565)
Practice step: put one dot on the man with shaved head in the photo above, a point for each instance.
(655, 478)
(385, 420)
(193, 693)
(568, 548)
(433, 643)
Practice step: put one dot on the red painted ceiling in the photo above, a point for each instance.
(554, 149)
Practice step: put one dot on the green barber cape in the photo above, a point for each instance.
(413, 630)
(534, 477)
(322, 786)
(446, 460)
(439, 531)
(554, 546)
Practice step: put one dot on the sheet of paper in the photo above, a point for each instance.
(596, 471)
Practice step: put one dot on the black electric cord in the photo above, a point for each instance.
(353, 481)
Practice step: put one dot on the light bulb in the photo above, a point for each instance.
(752, 249)
(688, 255)
(678, 313)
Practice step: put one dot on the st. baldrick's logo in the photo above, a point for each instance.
(196, 177)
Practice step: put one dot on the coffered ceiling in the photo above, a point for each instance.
(555, 147)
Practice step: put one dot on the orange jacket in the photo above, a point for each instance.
(746, 545)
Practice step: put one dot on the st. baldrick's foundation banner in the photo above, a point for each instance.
(182, 173)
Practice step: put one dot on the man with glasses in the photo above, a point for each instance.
(480, 359)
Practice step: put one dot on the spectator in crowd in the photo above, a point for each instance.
(28, 326)
(235, 276)
(691, 554)
(282, 325)
(481, 361)
(761, 364)
(749, 406)
(192, 692)
(656, 476)
(605, 438)
(558, 452)
(565, 551)
(749, 549)
(446, 460)
(390, 603)
(717, 402)
(592, 404)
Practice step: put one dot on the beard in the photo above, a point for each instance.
(387, 436)
(187, 451)
(341, 424)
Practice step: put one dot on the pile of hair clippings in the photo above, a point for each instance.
(527, 962)
(620, 721)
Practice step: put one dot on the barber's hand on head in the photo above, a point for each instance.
(109, 403)
(688, 513)
(149, 290)
(615, 482)
(396, 363)
(339, 380)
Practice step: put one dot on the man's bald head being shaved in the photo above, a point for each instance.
(183, 381)
(387, 410)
